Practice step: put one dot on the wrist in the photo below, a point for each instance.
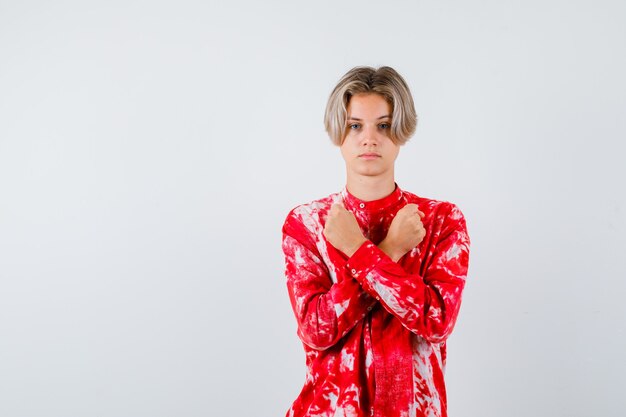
(390, 250)
(353, 248)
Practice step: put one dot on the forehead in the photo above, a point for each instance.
(368, 105)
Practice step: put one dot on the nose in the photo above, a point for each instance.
(370, 136)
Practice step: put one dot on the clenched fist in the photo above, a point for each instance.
(405, 232)
(342, 230)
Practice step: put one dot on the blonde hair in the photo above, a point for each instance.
(384, 81)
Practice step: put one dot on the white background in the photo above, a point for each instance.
(150, 151)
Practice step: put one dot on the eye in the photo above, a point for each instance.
(384, 125)
(354, 126)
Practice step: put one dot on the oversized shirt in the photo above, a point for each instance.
(374, 331)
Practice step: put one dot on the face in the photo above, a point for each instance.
(367, 147)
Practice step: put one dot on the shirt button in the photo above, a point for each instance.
(369, 308)
(362, 205)
(377, 298)
(353, 271)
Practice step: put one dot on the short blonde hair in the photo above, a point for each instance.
(384, 81)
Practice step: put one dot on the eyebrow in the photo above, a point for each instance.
(359, 120)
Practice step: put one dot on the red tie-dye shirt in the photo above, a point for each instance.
(374, 331)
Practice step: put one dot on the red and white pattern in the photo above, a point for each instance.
(374, 331)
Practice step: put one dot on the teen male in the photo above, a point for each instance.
(374, 273)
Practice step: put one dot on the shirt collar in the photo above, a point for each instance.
(353, 203)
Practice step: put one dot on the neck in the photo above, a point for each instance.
(370, 188)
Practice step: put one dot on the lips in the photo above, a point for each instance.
(369, 155)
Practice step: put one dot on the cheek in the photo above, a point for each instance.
(346, 146)
(393, 150)
(344, 150)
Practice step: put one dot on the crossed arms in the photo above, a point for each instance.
(427, 304)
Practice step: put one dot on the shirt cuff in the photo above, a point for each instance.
(364, 260)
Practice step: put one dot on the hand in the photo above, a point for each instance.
(342, 230)
(405, 232)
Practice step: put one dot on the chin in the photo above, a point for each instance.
(369, 172)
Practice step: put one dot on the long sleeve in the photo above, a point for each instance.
(325, 310)
(427, 305)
